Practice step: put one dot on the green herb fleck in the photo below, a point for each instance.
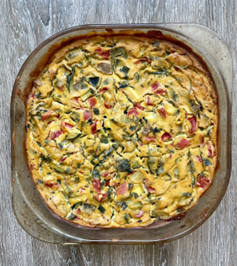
(206, 162)
(71, 216)
(96, 111)
(124, 166)
(124, 206)
(104, 139)
(101, 209)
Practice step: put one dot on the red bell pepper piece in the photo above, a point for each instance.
(148, 101)
(55, 134)
(193, 121)
(149, 188)
(87, 115)
(92, 101)
(162, 112)
(149, 139)
(137, 105)
(142, 60)
(139, 215)
(93, 128)
(107, 106)
(122, 189)
(203, 182)
(96, 184)
(166, 136)
(47, 114)
(182, 144)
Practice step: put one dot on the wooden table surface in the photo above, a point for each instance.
(24, 25)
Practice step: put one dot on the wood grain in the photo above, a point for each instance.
(24, 25)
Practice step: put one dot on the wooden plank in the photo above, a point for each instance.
(24, 25)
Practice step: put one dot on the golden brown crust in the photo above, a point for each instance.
(167, 94)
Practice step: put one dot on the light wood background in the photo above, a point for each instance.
(24, 24)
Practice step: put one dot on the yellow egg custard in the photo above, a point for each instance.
(122, 131)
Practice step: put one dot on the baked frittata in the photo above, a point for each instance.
(122, 131)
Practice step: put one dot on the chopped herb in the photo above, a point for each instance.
(46, 158)
(73, 136)
(156, 73)
(193, 181)
(104, 139)
(156, 43)
(39, 144)
(176, 173)
(95, 173)
(103, 182)
(101, 209)
(208, 133)
(125, 70)
(89, 121)
(69, 81)
(38, 95)
(191, 166)
(120, 51)
(174, 95)
(207, 162)
(124, 166)
(123, 85)
(156, 130)
(187, 194)
(74, 206)
(94, 81)
(60, 146)
(71, 216)
(136, 164)
(68, 170)
(109, 151)
(177, 112)
(124, 206)
(58, 169)
(89, 206)
(96, 111)
(115, 146)
(160, 170)
(136, 76)
(126, 217)
(75, 116)
(151, 164)
(135, 195)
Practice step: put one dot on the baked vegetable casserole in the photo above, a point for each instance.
(122, 131)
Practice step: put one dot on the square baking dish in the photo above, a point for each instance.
(29, 209)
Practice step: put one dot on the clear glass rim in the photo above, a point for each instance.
(158, 26)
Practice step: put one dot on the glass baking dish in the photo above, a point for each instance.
(29, 209)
